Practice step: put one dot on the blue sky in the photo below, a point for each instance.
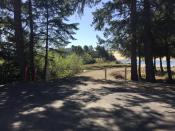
(86, 35)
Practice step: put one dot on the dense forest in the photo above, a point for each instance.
(34, 33)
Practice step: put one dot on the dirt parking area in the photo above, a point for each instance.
(87, 103)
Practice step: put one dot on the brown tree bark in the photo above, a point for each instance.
(150, 74)
(161, 66)
(19, 37)
(47, 43)
(134, 74)
(139, 69)
(155, 68)
(168, 60)
(31, 46)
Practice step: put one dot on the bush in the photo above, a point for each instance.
(9, 72)
(87, 59)
(61, 67)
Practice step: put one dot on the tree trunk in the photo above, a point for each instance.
(32, 66)
(150, 74)
(161, 67)
(19, 37)
(134, 75)
(155, 68)
(47, 44)
(140, 69)
(140, 72)
(168, 60)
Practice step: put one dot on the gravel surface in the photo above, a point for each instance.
(87, 103)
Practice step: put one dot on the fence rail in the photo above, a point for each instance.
(98, 73)
(108, 73)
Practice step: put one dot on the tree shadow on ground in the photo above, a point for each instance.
(61, 105)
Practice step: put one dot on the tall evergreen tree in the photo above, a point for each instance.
(150, 76)
(47, 41)
(19, 37)
(31, 39)
(118, 19)
(55, 25)
(134, 75)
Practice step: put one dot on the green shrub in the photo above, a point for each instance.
(87, 59)
(9, 71)
(39, 65)
(60, 67)
(1, 61)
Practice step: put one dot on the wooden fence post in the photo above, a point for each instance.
(105, 73)
(125, 73)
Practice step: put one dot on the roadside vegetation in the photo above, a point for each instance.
(34, 34)
(62, 62)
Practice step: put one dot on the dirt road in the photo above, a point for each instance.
(84, 103)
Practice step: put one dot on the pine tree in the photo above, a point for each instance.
(19, 37)
(31, 39)
(134, 75)
(150, 76)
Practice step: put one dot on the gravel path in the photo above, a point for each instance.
(86, 103)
